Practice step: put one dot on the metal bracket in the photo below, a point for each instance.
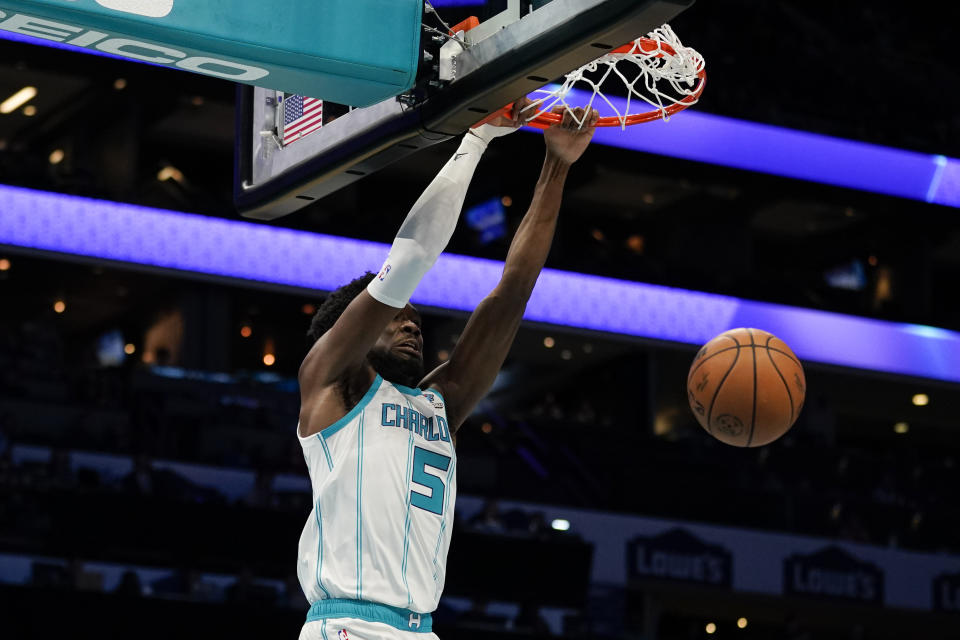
(270, 126)
(511, 62)
(448, 58)
(503, 19)
(269, 143)
(451, 49)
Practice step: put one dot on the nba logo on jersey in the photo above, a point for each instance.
(433, 400)
(342, 634)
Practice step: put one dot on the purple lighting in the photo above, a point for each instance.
(694, 135)
(702, 137)
(111, 231)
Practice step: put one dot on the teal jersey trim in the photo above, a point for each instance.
(410, 391)
(443, 526)
(319, 548)
(326, 452)
(436, 552)
(364, 401)
(402, 619)
(406, 523)
(360, 510)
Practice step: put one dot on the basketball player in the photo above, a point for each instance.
(378, 437)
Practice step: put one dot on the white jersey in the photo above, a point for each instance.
(384, 488)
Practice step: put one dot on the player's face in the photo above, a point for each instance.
(402, 336)
(398, 353)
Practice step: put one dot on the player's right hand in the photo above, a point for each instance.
(568, 140)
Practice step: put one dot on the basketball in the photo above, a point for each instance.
(746, 387)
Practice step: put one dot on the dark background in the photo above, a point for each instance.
(875, 72)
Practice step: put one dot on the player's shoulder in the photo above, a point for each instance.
(328, 408)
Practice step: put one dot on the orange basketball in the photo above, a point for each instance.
(746, 387)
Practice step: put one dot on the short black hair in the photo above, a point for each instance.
(334, 306)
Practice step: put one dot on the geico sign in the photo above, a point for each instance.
(148, 52)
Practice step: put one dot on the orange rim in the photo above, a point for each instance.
(544, 120)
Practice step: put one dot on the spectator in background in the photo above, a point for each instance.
(146, 479)
(529, 620)
(140, 480)
(84, 580)
(477, 616)
(49, 575)
(246, 590)
(184, 582)
(537, 525)
(293, 597)
(261, 496)
(489, 519)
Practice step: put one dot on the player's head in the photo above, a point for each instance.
(397, 354)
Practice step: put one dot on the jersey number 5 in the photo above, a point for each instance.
(422, 458)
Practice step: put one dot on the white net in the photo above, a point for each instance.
(657, 70)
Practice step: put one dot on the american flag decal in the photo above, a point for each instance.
(301, 116)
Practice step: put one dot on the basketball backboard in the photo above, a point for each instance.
(519, 47)
(359, 51)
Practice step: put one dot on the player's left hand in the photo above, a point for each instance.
(508, 121)
(568, 140)
(516, 116)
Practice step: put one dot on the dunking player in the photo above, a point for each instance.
(377, 435)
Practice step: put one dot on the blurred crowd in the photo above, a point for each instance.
(572, 446)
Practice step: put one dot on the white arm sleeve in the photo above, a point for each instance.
(430, 224)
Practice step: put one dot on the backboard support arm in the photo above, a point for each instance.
(513, 61)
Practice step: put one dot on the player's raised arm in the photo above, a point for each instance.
(473, 365)
(342, 350)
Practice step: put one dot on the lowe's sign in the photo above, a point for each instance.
(355, 52)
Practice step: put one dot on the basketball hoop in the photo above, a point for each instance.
(660, 63)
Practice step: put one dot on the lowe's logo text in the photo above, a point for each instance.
(128, 48)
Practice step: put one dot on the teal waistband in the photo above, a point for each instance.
(402, 619)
